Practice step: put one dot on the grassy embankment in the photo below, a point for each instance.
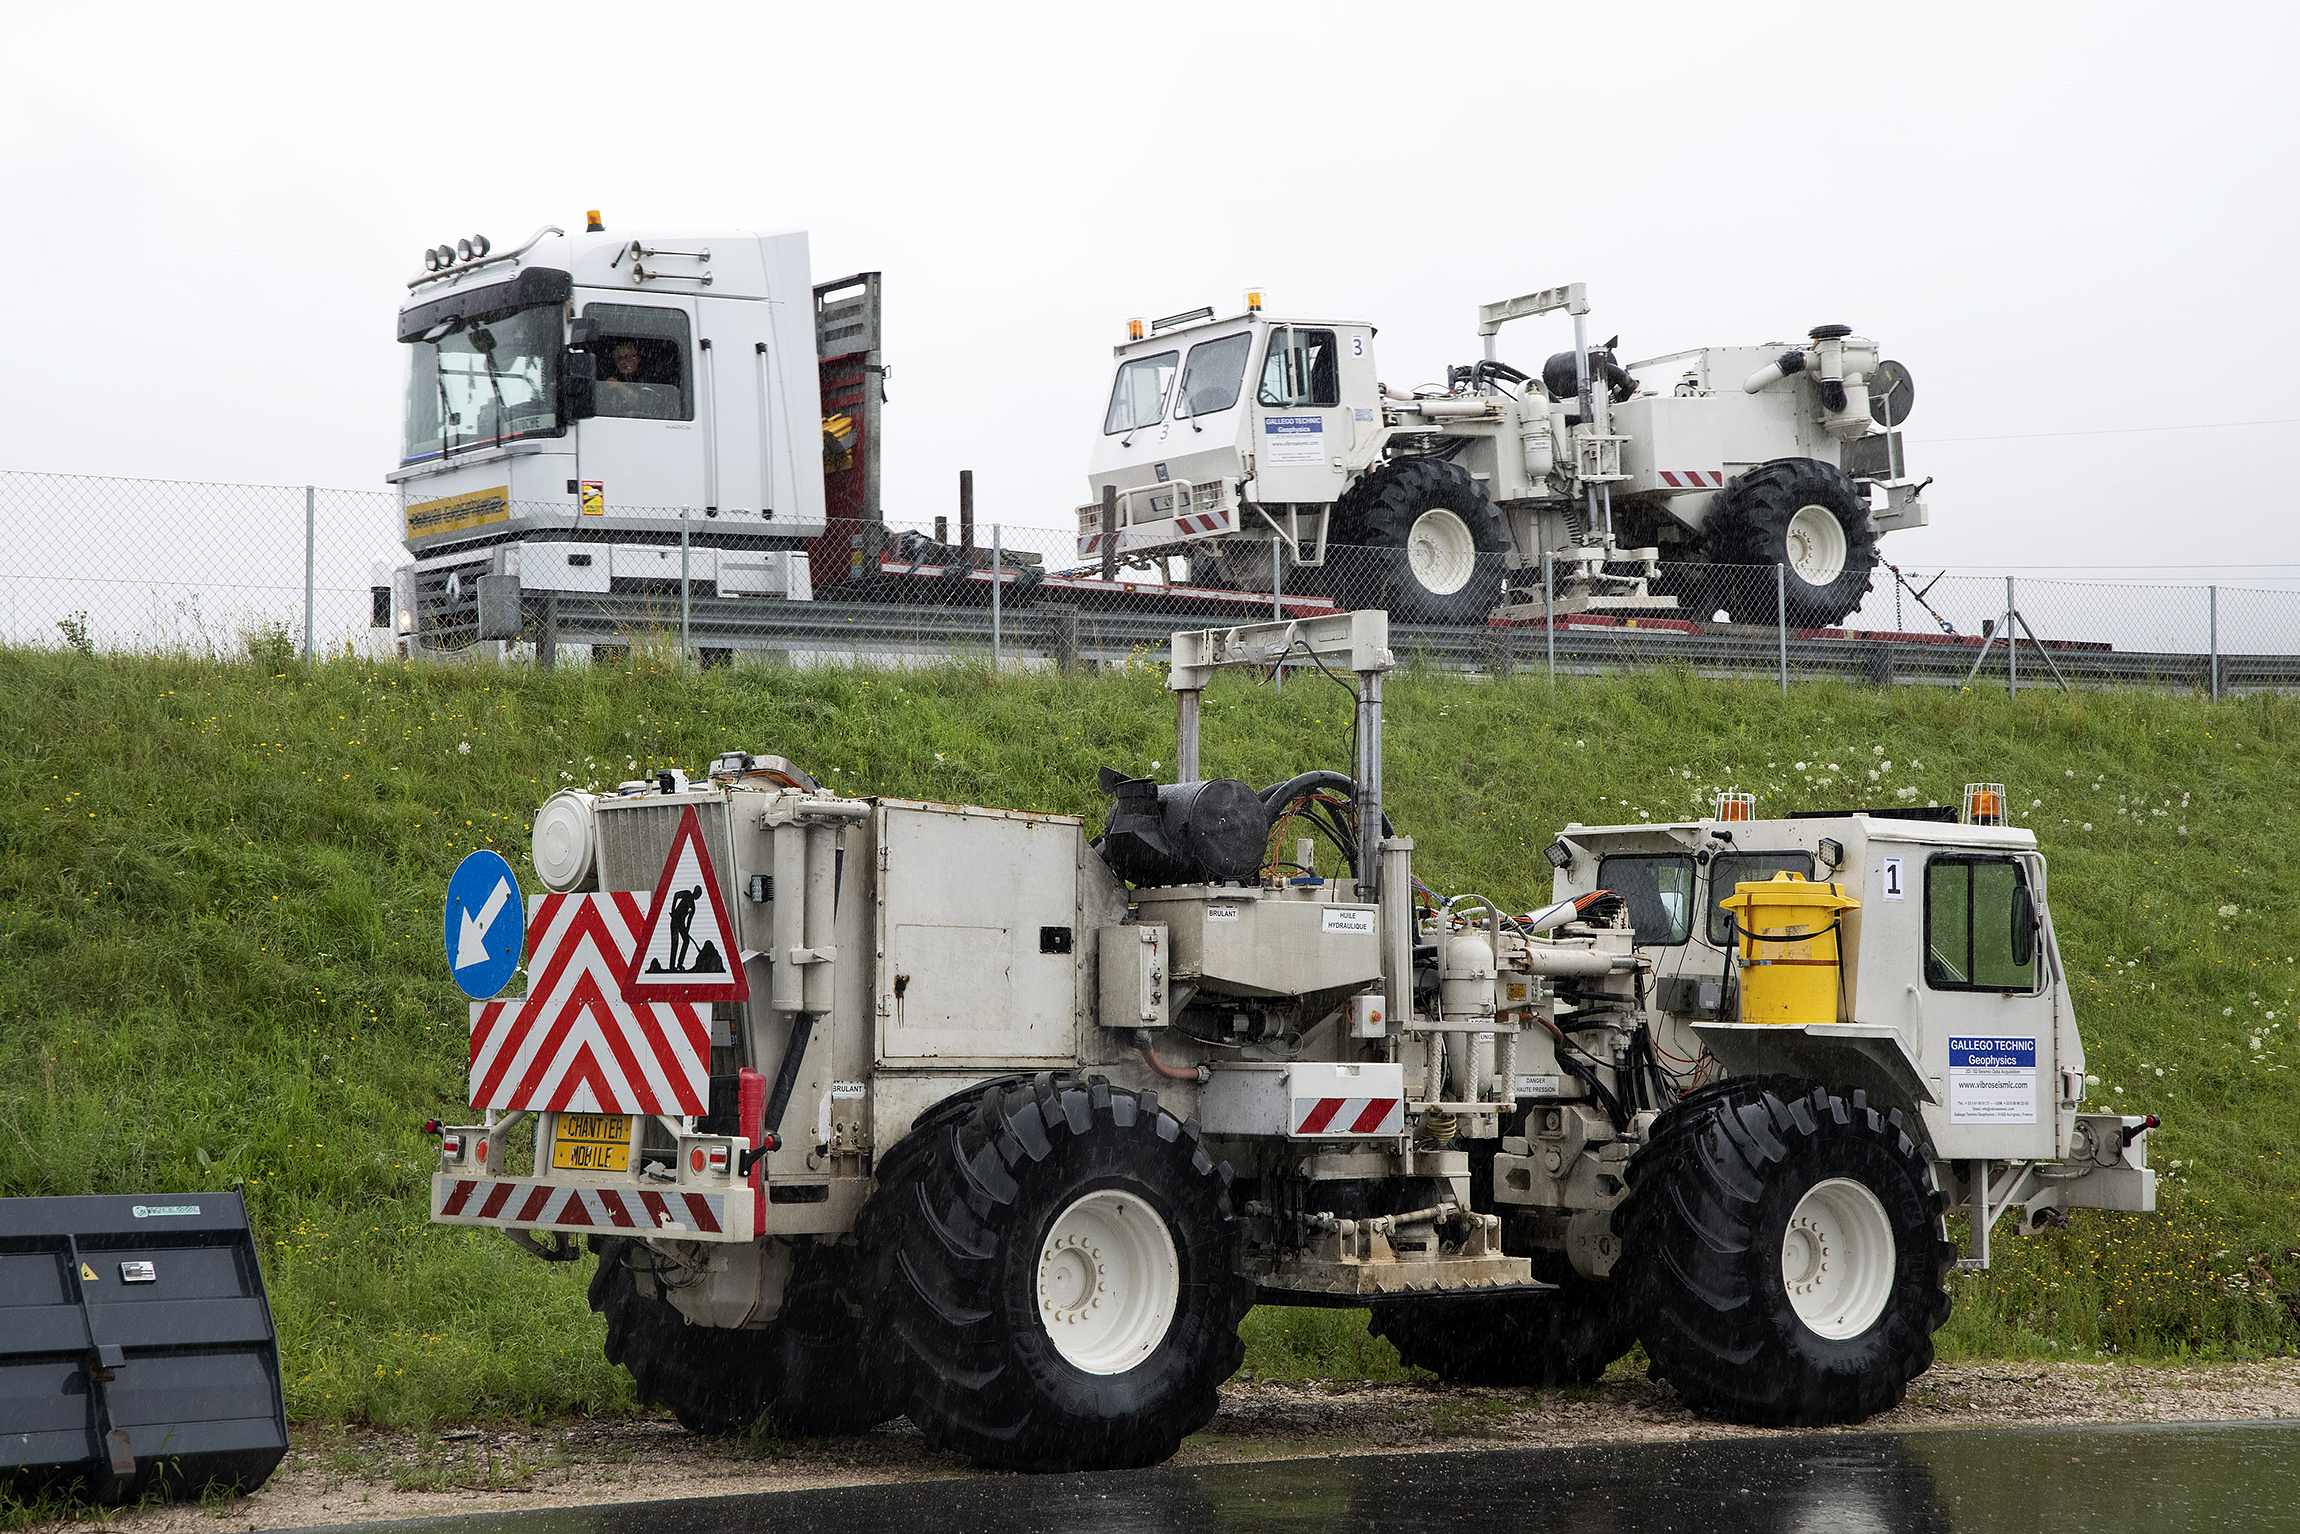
(220, 959)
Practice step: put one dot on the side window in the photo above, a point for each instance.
(1980, 925)
(1659, 889)
(1138, 398)
(1731, 868)
(645, 372)
(1300, 368)
(1214, 374)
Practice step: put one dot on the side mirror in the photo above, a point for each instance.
(578, 386)
(2024, 927)
(583, 334)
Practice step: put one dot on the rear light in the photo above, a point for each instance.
(719, 1157)
(451, 1147)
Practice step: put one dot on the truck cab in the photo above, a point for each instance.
(1246, 425)
(1951, 940)
(571, 403)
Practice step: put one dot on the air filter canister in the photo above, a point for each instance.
(1212, 832)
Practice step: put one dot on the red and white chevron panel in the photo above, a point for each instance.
(572, 1043)
(1692, 479)
(529, 1205)
(1326, 1117)
(1192, 525)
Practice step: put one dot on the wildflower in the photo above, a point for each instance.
(463, 748)
(2088, 825)
(2228, 910)
(2227, 1011)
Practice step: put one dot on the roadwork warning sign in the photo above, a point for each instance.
(687, 951)
(1992, 1081)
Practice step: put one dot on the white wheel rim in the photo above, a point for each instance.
(1440, 552)
(1838, 1257)
(1817, 545)
(1108, 1282)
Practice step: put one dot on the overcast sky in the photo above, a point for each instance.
(2066, 219)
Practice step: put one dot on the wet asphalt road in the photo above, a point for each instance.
(2162, 1480)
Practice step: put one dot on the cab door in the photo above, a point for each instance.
(1989, 983)
(641, 458)
(1301, 427)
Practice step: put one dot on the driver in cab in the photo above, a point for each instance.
(622, 391)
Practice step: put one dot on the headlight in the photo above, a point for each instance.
(565, 841)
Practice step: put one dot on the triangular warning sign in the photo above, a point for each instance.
(687, 951)
(87, 1273)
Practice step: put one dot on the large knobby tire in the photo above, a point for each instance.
(1059, 1263)
(712, 1380)
(1789, 1254)
(1798, 512)
(1538, 1341)
(835, 1376)
(1419, 538)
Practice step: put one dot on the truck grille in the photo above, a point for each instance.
(447, 603)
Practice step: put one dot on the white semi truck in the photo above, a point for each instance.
(1249, 438)
(1003, 1125)
(598, 413)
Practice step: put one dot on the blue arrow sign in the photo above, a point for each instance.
(486, 925)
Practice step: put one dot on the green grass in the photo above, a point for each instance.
(220, 958)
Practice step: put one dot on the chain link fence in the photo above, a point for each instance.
(282, 571)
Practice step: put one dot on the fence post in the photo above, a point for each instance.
(966, 515)
(1781, 619)
(310, 529)
(1549, 612)
(2012, 643)
(686, 594)
(997, 574)
(2212, 675)
(1278, 604)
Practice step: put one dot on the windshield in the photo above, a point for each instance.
(1659, 889)
(1138, 398)
(483, 382)
(1211, 377)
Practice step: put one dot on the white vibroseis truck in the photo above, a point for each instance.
(1014, 1124)
(1665, 485)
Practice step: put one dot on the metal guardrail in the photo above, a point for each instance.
(1065, 634)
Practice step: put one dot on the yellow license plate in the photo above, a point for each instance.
(592, 1142)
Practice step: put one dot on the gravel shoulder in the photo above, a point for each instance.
(358, 1475)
